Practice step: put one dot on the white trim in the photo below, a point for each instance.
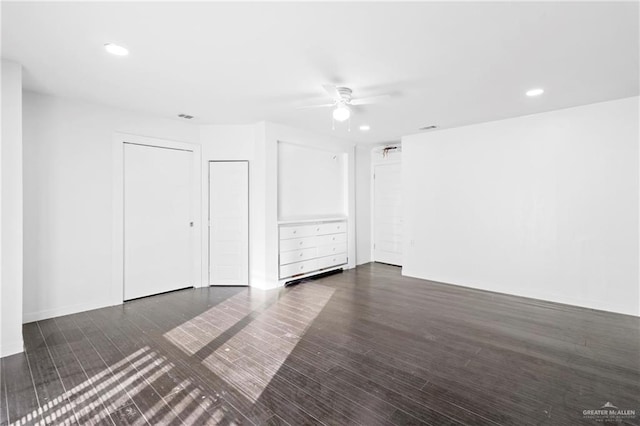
(350, 203)
(582, 303)
(116, 293)
(64, 310)
(12, 348)
(262, 284)
(314, 220)
(372, 189)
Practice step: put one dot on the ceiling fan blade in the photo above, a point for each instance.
(332, 91)
(316, 106)
(369, 100)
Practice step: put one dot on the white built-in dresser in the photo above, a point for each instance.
(308, 248)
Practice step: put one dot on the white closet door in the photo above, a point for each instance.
(157, 220)
(229, 223)
(387, 214)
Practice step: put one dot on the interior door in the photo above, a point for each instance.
(157, 220)
(387, 214)
(228, 223)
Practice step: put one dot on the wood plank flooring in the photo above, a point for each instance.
(364, 347)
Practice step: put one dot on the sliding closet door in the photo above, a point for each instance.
(157, 220)
(229, 223)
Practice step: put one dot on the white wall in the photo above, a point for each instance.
(544, 206)
(275, 133)
(258, 143)
(233, 142)
(312, 182)
(363, 204)
(11, 194)
(367, 156)
(69, 175)
(68, 215)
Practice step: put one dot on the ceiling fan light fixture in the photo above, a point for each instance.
(341, 112)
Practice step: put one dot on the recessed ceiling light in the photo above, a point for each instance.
(535, 92)
(114, 49)
(365, 128)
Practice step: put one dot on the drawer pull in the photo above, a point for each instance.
(295, 231)
(334, 249)
(334, 238)
(300, 242)
(317, 229)
(301, 266)
(301, 254)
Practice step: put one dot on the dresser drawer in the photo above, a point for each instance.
(332, 249)
(298, 268)
(297, 231)
(323, 240)
(298, 255)
(329, 261)
(297, 243)
(331, 228)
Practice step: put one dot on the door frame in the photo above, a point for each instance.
(208, 233)
(116, 293)
(375, 164)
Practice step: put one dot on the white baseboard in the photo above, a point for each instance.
(543, 296)
(264, 284)
(63, 310)
(11, 348)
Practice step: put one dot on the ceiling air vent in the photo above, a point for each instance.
(428, 127)
(185, 116)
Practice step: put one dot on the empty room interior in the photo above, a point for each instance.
(336, 213)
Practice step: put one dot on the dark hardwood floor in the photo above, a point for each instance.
(363, 347)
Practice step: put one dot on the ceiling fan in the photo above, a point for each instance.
(343, 101)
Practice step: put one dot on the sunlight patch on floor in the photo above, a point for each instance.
(112, 389)
(193, 335)
(251, 343)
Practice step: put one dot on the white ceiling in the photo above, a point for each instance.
(446, 63)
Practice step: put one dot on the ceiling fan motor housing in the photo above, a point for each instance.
(345, 94)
